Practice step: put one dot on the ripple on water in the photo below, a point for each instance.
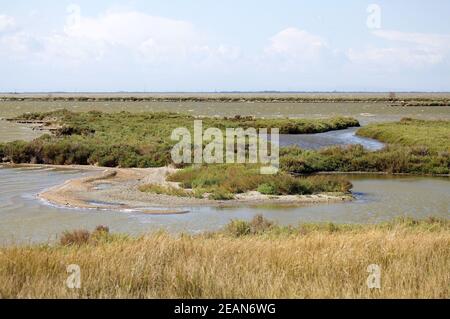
(320, 140)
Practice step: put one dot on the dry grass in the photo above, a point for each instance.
(311, 261)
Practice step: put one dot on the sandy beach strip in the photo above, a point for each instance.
(118, 189)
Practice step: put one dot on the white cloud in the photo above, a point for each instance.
(130, 29)
(6, 23)
(406, 50)
(422, 39)
(395, 58)
(296, 44)
(151, 38)
(128, 34)
(125, 47)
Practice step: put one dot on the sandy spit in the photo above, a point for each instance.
(118, 189)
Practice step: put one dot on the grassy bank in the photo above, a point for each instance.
(247, 259)
(223, 181)
(427, 136)
(414, 146)
(131, 140)
(392, 159)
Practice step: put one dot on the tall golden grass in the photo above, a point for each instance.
(311, 261)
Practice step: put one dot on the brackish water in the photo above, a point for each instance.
(24, 218)
(319, 140)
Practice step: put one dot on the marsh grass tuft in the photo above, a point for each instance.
(82, 237)
(76, 237)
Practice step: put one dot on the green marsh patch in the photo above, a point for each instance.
(223, 181)
(132, 139)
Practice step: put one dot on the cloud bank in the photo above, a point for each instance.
(135, 44)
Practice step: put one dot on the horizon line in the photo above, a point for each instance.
(210, 92)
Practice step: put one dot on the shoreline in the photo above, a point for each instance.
(118, 189)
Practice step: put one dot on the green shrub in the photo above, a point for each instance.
(221, 194)
(266, 189)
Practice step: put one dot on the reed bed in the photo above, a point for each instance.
(255, 259)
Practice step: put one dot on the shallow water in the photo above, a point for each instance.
(24, 218)
(364, 112)
(341, 137)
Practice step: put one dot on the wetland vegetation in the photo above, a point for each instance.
(255, 259)
(131, 139)
(142, 140)
(414, 146)
(222, 182)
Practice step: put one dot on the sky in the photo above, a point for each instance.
(208, 46)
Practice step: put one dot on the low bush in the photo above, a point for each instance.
(224, 180)
(76, 237)
(220, 193)
(81, 237)
(266, 189)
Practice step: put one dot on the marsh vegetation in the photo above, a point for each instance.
(143, 140)
(132, 139)
(414, 146)
(224, 181)
(256, 259)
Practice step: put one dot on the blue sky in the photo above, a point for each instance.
(224, 45)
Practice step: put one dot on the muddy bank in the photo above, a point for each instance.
(118, 189)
